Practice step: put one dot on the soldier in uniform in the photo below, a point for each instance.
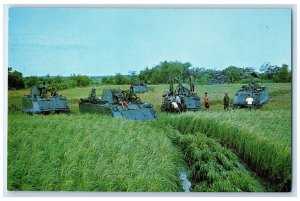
(44, 92)
(226, 102)
(171, 88)
(53, 91)
(206, 103)
(132, 97)
(180, 87)
(192, 82)
(92, 94)
(122, 99)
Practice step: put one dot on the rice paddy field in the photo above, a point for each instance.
(233, 151)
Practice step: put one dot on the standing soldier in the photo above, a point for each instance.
(249, 101)
(226, 102)
(206, 102)
(192, 82)
(92, 94)
(180, 87)
(171, 88)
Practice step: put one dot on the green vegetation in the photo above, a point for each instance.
(89, 153)
(222, 151)
(166, 70)
(265, 147)
(212, 167)
(59, 82)
(15, 79)
(160, 74)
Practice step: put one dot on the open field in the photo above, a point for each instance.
(221, 151)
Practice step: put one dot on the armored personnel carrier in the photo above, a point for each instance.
(260, 95)
(189, 101)
(118, 103)
(38, 102)
(139, 88)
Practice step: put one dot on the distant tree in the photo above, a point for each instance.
(233, 73)
(58, 79)
(268, 71)
(81, 80)
(108, 80)
(66, 84)
(121, 79)
(164, 71)
(133, 77)
(186, 70)
(275, 73)
(249, 69)
(31, 80)
(205, 75)
(15, 79)
(283, 74)
(145, 75)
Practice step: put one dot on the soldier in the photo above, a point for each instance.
(175, 107)
(178, 101)
(53, 91)
(180, 87)
(122, 99)
(171, 88)
(92, 94)
(249, 101)
(226, 102)
(132, 97)
(44, 92)
(206, 104)
(192, 82)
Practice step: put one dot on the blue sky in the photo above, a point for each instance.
(106, 41)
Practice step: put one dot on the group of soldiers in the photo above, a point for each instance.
(226, 101)
(44, 91)
(172, 81)
(123, 97)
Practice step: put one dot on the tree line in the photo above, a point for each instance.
(161, 74)
(167, 70)
(17, 81)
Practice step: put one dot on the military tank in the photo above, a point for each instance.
(189, 101)
(260, 95)
(120, 104)
(39, 103)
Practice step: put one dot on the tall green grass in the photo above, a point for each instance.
(89, 153)
(261, 139)
(212, 167)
